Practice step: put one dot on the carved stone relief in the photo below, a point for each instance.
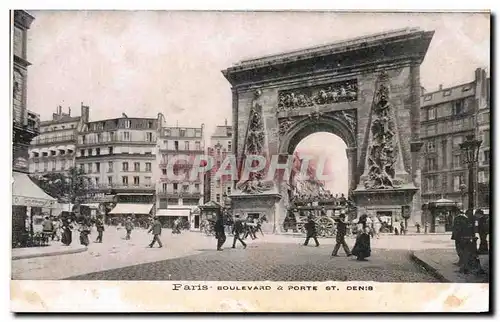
(383, 152)
(345, 91)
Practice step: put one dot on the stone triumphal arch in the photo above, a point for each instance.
(365, 90)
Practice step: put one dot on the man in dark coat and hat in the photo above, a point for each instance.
(220, 233)
(311, 231)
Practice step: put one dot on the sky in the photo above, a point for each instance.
(144, 62)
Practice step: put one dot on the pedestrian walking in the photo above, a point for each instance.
(220, 234)
(238, 229)
(156, 230)
(340, 237)
(99, 224)
(402, 227)
(66, 237)
(310, 227)
(417, 225)
(175, 227)
(84, 232)
(129, 225)
(362, 249)
(377, 225)
(48, 227)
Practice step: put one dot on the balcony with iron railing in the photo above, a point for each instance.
(130, 186)
(59, 139)
(179, 194)
(107, 141)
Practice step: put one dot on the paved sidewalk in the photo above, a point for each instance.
(440, 262)
(50, 250)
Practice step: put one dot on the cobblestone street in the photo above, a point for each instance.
(274, 262)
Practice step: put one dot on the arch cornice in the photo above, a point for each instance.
(333, 123)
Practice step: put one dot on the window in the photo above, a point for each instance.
(125, 181)
(486, 158)
(164, 187)
(457, 125)
(185, 188)
(46, 154)
(82, 167)
(186, 145)
(37, 166)
(228, 189)
(125, 166)
(175, 185)
(89, 167)
(458, 179)
(99, 137)
(197, 187)
(217, 185)
(164, 172)
(431, 130)
(486, 138)
(431, 113)
(428, 97)
(148, 166)
(481, 177)
(98, 167)
(52, 153)
(182, 133)
(137, 166)
(98, 151)
(217, 197)
(110, 180)
(176, 145)
(431, 146)
(149, 137)
(431, 164)
(136, 180)
(442, 128)
(127, 124)
(457, 140)
(447, 92)
(63, 164)
(197, 133)
(97, 181)
(89, 152)
(110, 166)
(150, 124)
(458, 107)
(110, 150)
(147, 181)
(126, 136)
(111, 136)
(229, 145)
(431, 183)
(457, 161)
(197, 145)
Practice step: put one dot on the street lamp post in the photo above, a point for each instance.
(470, 260)
(470, 153)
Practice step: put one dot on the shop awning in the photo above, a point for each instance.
(131, 208)
(26, 193)
(91, 205)
(173, 212)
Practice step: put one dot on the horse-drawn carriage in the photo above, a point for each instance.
(323, 213)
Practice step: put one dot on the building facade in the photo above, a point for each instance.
(53, 150)
(118, 157)
(178, 197)
(483, 133)
(220, 147)
(25, 123)
(447, 117)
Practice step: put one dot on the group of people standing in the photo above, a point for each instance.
(240, 229)
(361, 249)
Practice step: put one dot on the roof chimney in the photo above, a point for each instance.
(225, 122)
(59, 110)
(440, 87)
(69, 111)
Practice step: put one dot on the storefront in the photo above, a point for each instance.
(169, 215)
(28, 200)
(140, 213)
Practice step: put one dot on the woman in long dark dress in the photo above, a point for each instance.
(66, 234)
(362, 249)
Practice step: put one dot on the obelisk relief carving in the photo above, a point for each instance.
(384, 163)
(254, 145)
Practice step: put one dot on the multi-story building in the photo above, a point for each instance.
(447, 117)
(483, 133)
(54, 149)
(119, 159)
(25, 123)
(178, 198)
(220, 146)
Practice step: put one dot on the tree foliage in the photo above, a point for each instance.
(68, 187)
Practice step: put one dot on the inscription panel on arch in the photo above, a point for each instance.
(338, 92)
